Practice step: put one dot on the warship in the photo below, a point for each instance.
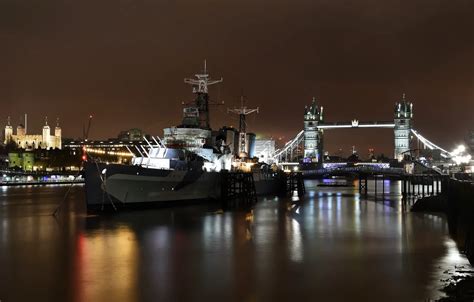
(185, 165)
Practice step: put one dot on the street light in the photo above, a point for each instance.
(460, 156)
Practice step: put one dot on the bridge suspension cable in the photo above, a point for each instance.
(430, 145)
(289, 146)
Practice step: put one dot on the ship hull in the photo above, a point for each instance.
(111, 187)
(121, 186)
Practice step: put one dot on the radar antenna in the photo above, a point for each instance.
(200, 107)
(242, 112)
(202, 81)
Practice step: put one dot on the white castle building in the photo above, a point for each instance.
(33, 141)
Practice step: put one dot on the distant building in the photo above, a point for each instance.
(25, 160)
(264, 149)
(470, 141)
(111, 150)
(470, 146)
(43, 160)
(231, 137)
(114, 150)
(33, 141)
(131, 135)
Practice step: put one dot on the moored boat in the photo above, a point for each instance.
(186, 165)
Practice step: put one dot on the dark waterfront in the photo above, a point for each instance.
(331, 246)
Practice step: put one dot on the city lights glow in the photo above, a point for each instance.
(460, 155)
(103, 152)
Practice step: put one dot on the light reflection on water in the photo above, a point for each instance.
(97, 256)
(332, 244)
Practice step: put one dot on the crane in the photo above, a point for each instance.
(85, 131)
(85, 137)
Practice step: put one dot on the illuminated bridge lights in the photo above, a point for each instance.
(357, 124)
(300, 136)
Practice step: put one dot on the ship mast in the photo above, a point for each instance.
(200, 87)
(243, 111)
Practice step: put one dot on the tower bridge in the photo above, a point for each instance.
(308, 144)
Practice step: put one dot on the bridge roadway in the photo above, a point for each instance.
(362, 168)
(356, 124)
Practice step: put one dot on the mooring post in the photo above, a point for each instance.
(427, 182)
(375, 184)
(427, 186)
(444, 185)
(363, 184)
(404, 188)
(432, 185)
(366, 185)
(409, 186)
(383, 186)
(437, 185)
(423, 186)
(300, 184)
(224, 185)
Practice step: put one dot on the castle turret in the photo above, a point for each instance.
(57, 135)
(8, 132)
(403, 124)
(20, 130)
(46, 143)
(313, 142)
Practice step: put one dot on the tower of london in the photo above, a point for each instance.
(23, 140)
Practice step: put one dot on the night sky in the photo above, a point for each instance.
(125, 60)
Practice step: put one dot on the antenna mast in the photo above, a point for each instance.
(202, 81)
(200, 87)
(242, 112)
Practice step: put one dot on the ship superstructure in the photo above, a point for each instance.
(195, 129)
(191, 140)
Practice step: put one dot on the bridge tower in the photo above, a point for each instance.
(403, 124)
(313, 137)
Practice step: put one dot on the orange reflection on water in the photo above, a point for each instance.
(106, 266)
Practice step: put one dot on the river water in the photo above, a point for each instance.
(332, 245)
